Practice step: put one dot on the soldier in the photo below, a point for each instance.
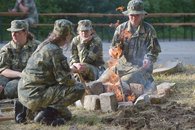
(139, 44)
(136, 48)
(47, 86)
(14, 56)
(87, 55)
(29, 7)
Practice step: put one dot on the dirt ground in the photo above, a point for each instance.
(169, 116)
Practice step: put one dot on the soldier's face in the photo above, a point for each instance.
(19, 37)
(135, 19)
(85, 33)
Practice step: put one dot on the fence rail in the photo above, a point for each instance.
(115, 15)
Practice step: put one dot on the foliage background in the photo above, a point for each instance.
(106, 6)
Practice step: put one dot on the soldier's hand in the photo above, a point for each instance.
(73, 69)
(86, 39)
(146, 63)
(79, 66)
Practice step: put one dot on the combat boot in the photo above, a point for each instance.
(49, 116)
(20, 112)
(67, 115)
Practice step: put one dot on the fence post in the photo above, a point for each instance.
(1, 29)
(169, 28)
(192, 33)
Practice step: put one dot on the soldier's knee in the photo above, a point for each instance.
(11, 91)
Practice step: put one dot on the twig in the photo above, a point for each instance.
(87, 89)
(5, 118)
(120, 85)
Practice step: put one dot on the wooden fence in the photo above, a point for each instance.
(166, 30)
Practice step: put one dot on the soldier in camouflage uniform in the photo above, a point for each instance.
(140, 46)
(47, 86)
(29, 7)
(14, 56)
(87, 55)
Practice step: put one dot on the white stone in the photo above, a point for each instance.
(108, 102)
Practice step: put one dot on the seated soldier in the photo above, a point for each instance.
(14, 56)
(87, 55)
(139, 47)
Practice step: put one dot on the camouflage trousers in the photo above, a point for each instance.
(10, 87)
(57, 97)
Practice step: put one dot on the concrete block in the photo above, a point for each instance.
(164, 88)
(108, 102)
(92, 102)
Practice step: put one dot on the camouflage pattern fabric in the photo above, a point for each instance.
(10, 87)
(141, 43)
(47, 81)
(15, 58)
(90, 54)
(32, 17)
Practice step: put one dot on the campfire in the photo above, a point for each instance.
(116, 87)
(114, 83)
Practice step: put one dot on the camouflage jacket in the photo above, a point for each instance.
(136, 46)
(46, 67)
(15, 58)
(91, 52)
(32, 12)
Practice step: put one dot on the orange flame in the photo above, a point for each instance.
(114, 86)
(115, 24)
(117, 92)
(115, 52)
(114, 79)
(120, 8)
(125, 34)
(131, 98)
(115, 89)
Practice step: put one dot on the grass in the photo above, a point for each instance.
(183, 92)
